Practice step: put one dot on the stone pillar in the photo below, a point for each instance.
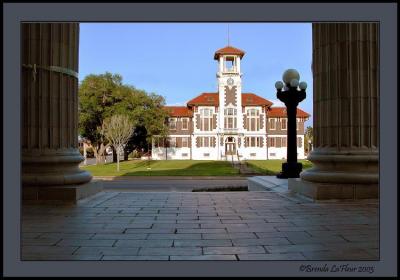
(345, 154)
(50, 154)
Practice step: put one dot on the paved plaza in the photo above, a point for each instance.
(254, 225)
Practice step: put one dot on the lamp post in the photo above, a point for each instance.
(291, 96)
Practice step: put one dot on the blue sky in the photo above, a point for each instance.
(176, 60)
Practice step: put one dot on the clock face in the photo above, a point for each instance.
(230, 81)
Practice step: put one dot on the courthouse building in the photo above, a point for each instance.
(228, 124)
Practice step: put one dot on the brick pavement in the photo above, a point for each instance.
(200, 226)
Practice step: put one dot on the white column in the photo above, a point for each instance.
(221, 64)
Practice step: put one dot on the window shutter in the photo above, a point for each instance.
(198, 121)
(299, 142)
(214, 121)
(278, 142)
(261, 141)
(179, 142)
(207, 142)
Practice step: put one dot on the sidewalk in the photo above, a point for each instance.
(268, 183)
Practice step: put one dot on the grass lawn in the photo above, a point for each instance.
(164, 168)
(272, 166)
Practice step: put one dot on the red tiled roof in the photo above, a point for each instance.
(229, 50)
(206, 98)
(178, 111)
(181, 111)
(251, 99)
(212, 99)
(281, 112)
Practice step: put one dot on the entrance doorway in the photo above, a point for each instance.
(230, 146)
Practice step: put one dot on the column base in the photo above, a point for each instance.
(67, 194)
(325, 191)
(53, 167)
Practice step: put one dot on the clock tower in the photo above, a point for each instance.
(230, 93)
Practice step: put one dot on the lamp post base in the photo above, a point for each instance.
(290, 170)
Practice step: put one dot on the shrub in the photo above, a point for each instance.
(89, 152)
(134, 154)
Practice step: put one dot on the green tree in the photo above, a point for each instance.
(99, 97)
(146, 111)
